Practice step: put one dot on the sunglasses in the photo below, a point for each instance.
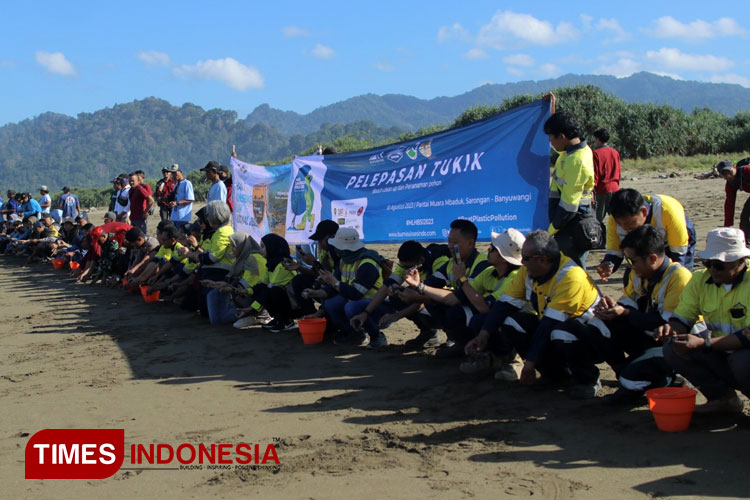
(716, 264)
(630, 261)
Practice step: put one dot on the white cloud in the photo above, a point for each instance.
(586, 21)
(320, 51)
(519, 60)
(55, 62)
(453, 32)
(385, 67)
(233, 73)
(509, 29)
(675, 59)
(514, 70)
(731, 78)
(612, 28)
(476, 53)
(549, 70)
(294, 31)
(622, 68)
(669, 27)
(154, 58)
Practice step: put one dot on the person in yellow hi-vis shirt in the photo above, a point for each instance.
(572, 187)
(629, 210)
(717, 360)
(548, 291)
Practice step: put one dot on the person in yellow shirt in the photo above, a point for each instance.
(630, 210)
(548, 291)
(572, 186)
(470, 302)
(716, 360)
(650, 296)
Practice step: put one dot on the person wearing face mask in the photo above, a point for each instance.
(716, 360)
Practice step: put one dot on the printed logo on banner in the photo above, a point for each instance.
(396, 155)
(377, 159)
(412, 153)
(426, 149)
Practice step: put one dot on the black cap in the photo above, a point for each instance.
(223, 168)
(723, 166)
(212, 165)
(323, 229)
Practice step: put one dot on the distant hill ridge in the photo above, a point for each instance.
(412, 113)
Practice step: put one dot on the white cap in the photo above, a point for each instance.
(509, 245)
(726, 244)
(347, 238)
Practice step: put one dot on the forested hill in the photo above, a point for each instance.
(410, 112)
(92, 148)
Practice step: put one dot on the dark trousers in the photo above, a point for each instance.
(278, 305)
(299, 284)
(515, 335)
(745, 219)
(714, 373)
(582, 346)
(164, 213)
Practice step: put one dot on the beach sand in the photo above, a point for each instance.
(347, 423)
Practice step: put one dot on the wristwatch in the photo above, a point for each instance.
(463, 279)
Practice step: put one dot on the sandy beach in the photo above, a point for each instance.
(347, 423)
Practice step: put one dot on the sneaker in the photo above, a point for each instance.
(729, 403)
(426, 338)
(507, 373)
(483, 362)
(272, 323)
(354, 338)
(263, 317)
(282, 326)
(378, 341)
(585, 391)
(245, 322)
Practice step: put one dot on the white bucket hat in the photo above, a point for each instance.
(726, 244)
(509, 245)
(347, 238)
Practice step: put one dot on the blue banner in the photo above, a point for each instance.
(494, 172)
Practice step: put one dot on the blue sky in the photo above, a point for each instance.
(72, 57)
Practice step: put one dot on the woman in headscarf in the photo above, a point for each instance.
(274, 292)
(225, 297)
(214, 256)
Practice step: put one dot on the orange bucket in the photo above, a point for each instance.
(74, 265)
(58, 263)
(672, 407)
(312, 330)
(149, 297)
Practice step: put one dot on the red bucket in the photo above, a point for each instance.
(312, 330)
(58, 263)
(74, 265)
(149, 297)
(672, 407)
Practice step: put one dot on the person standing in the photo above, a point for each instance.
(122, 201)
(141, 202)
(606, 173)
(164, 188)
(217, 191)
(69, 203)
(226, 178)
(46, 201)
(571, 191)
(738, 179)
(184, 196)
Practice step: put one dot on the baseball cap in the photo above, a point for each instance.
(223, 168)
(323, 229)
(44, 188)
(110, 215)
(723, 166)
(212, 165)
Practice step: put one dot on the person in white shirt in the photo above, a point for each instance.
(122, 203)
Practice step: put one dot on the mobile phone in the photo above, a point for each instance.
(456, 256)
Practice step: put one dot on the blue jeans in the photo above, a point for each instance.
(221, 310)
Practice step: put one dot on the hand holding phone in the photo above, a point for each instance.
(456, 254)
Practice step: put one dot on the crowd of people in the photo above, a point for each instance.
(528, 297)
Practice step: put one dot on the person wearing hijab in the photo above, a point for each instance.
(225, 297)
